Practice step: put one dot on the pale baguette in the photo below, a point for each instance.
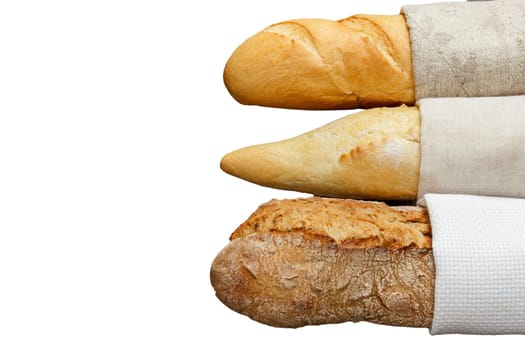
(317, 260)
(358, 62)
(373, 154)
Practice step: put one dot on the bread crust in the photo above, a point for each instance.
(300, 275)
(352, 223)
(295, 280)
(361, 61)
(373, 154)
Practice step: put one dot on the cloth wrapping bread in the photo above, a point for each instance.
(479, 249)
(473, 146)
(467, 48)
(444, 145)
(312, 261)
(454, 49)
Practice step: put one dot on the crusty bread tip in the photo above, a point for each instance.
(358, 62)
(315, 261)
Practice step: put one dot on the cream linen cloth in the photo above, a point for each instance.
(465, 49)
(479, 252)
(473, 146)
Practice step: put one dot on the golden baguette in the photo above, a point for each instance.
(373, 154)
(317, 260)
(358, 62)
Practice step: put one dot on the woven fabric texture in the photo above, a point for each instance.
(468, 49)
(479, 252)
(473, 146)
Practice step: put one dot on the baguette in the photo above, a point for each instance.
(358, 62)
(373, 154)
(315, 261)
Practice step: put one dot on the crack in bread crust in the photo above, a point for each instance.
(351, 223)
(294, 280)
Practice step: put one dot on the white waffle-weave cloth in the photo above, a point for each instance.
(479, 250)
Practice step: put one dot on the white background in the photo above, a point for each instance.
(113, 120)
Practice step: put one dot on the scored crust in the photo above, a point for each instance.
(357, 62)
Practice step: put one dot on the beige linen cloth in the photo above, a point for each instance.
(473, 146)
(466, 49)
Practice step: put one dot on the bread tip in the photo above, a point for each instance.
(228, 77)
(225, 163)
(246, 164)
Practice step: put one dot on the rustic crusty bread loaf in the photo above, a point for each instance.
(357, 62)
(373, 154)
(317, 260)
